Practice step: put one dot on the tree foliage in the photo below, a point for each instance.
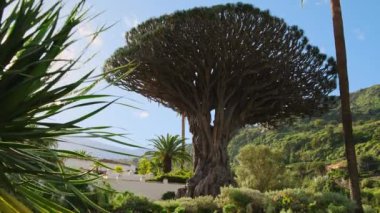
(168, 149)
(260, 167)
(320, 138)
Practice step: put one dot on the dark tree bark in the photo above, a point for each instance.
(236, 61)
(183, 126)
(211, 167)
(340, 48)
(167, 164)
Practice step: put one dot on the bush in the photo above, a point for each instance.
(180, 176)
(370, 183)
(325, 184)
(170, 178)
(119, 169)
(230, 208)
(300, 200)
(144, 166)
(168, 195)
(168, 205)
(368, 163)
(180, 210)
(259, 167)
(203, 204)
(125, 202)
(369, 209)
(334, 202)
(241, 198)
(296, 200)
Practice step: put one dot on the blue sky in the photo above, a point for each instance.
(361, 30)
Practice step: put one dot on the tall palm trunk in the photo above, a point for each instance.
(167, 164)
(340, 48)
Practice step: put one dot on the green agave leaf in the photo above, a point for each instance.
(10, 204)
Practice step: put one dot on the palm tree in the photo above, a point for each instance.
(340, 48)
(168, 149)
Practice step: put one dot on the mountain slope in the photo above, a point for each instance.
(320, 139)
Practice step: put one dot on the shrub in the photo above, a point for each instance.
(171, 178)
(370, 183)
(125, 202)
(334, 202)
(241, 198)
(369, 209)
(202, 204)
(119, 169)
(325, 184)
(297, 200)
(300, 200)
(168, 205)
(259, 167)
(144, 166)
(368, 163)
(180, 210)
(376, 195)
(230, 208)
(371, 196)
(168, 195)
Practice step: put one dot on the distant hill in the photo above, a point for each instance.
(320, 138)
(76, 144)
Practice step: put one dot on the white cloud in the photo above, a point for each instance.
(143, 114)
(360, 35)
(87, 31)
(131, 22)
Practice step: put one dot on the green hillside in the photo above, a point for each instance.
(320, 139)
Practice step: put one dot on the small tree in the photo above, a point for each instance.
(259, 167)
(223, 67)
(167, 150)
(144, 166)
(119, 169)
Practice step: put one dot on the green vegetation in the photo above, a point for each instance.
(177, 176)
(167, 150)
(304, 161)
(313, 151)
(128, 202)
(259, 167)
(119, 169)
(238, 200)
(224, 67)
(33, 177)
(144, 166)
(320, 138)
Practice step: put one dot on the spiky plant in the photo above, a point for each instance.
(32, 174)
(168, 149)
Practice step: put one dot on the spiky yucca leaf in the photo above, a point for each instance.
(31, 172)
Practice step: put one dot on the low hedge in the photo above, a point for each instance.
(170, 178)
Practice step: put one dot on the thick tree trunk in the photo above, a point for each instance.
(345, 103)
(167, 164)
(183, 135)
(211, 166)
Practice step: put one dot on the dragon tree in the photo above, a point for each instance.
(224, 67)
